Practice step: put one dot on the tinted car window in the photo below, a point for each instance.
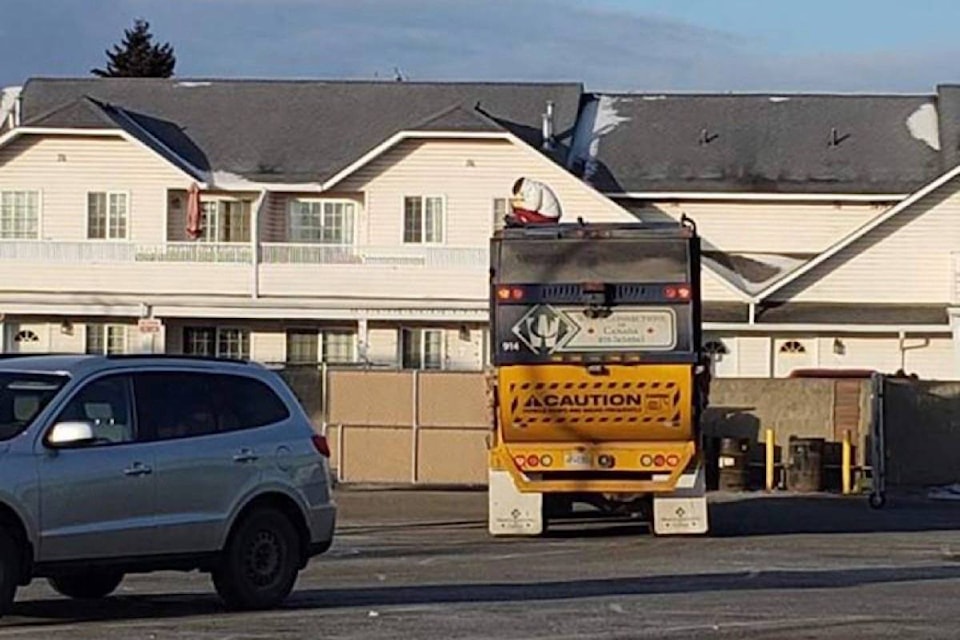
(246, 403)
(178, 405)
(174, 405)
(105, 405)
(22, 397)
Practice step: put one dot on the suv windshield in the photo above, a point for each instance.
(22, 397)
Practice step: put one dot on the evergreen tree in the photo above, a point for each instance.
(138, 57)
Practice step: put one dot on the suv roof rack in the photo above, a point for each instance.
(43, 354)
(173, 356)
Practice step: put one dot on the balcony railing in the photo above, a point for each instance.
(94, 252)
(232, 253)
(414, 256)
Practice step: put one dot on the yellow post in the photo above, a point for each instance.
(770, 442)
(846, 462)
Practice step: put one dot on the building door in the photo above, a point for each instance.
(27, 338)
(793, 353)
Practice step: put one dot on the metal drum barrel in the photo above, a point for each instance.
(732, 461)
(805, 464)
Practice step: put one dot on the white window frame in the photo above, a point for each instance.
(324, 336)
(444, 217)
(244, 333)
(421, 364)
(39, 198)
(303, 331)
(498, 216)
(205, 229)
(217, 331)
(353, 226)
(108, 194)
(105, 329)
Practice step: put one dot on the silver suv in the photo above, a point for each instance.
(114, 465)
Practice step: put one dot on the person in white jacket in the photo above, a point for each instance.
(533, 202)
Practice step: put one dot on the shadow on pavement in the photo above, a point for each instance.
(49, 612)
(785, 515)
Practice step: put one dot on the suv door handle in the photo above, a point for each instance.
(137, 469)
(245, 455)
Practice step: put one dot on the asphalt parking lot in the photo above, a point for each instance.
(419, 564)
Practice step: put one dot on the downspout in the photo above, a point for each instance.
(752, 312)
(902, 335)
(255, 245)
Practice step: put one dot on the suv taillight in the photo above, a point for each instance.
(320, 444)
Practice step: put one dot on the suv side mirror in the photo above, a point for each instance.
(70, 434)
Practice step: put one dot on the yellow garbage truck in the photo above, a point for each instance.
(598, 381)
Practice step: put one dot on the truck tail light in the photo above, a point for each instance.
(505, 294)
(677, 292)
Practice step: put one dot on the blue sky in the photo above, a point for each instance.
(610, 45)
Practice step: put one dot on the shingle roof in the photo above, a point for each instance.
(759, 143)
(82, 113)
(296, 131)
(837, 313)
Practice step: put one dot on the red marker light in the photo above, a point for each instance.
(670, 293)
(517, 293)
(533, 460)
(659, 460)
(673, 460)
(683, 292)
(519, 460)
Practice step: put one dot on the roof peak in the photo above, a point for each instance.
(211, 81)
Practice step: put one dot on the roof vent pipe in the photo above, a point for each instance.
(17, 103)
(547, 132)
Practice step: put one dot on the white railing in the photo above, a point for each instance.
(66, 252)
(414, 256)
(93, 252)
(110, 252)
(237, 253)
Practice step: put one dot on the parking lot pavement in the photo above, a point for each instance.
(419, 564)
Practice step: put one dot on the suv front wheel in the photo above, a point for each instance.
(87, 585)
(260, 562)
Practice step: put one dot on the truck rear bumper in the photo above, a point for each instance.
(611, 467)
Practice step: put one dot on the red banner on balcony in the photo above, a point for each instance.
(193, 212)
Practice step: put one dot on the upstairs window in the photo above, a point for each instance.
(322, 221)
(225, 220)
(423, 219)
(107, 216)
(19, 215)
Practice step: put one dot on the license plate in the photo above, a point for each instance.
(576, 459)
